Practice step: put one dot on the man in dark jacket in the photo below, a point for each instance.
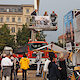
(53, 69)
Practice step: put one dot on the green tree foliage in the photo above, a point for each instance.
(5, 38)
(23, 35)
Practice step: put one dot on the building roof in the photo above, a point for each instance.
(62, 36)
(16, 5)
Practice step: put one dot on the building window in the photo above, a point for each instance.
(7, 19)
(19, 9)
(13, 29)
(27, 20)
(7, 10)
(19, 29)
(1, 9)
(27, 10)
(13, 10)
(19, 19)
(13, 19)
(8, 28)
(1, 19)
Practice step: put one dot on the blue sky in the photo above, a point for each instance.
(61, 7)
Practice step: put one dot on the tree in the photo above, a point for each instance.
(5, 38)
(23, 35)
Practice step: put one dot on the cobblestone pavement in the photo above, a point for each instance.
(31, 75)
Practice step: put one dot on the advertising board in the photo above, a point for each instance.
(69, 29)
(44, 23)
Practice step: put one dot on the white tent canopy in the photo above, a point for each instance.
(55, 48)
(6, 48)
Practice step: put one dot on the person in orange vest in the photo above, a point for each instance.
(24, 63)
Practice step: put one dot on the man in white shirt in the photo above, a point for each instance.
(46, 68)
(6, 67)
(46, 65)
(38, 58)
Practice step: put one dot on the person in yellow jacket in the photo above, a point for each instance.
(24, 63)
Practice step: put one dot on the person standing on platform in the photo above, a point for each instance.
(6, 67)
(24, 63)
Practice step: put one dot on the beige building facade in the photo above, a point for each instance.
(62, 39)
(15, 16)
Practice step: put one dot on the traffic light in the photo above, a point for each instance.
(53, 18)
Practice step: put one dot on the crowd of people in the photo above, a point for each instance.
(53, 71)
(10, 65)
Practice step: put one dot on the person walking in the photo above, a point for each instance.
(12, 67)
(24, 63)
(38, 61)
(6, 67)
(16, 67)
(47, 63)
(53, 73)
(46, 68)
(62, 65)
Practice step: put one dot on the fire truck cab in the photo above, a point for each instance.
(32, 45)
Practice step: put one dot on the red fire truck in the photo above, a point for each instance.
(32, 54)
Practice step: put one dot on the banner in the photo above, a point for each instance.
(42, 21)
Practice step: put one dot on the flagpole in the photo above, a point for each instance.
(63, 35)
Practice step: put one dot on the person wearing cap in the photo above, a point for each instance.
(53, 72)
(6, 67)
(47, 63)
